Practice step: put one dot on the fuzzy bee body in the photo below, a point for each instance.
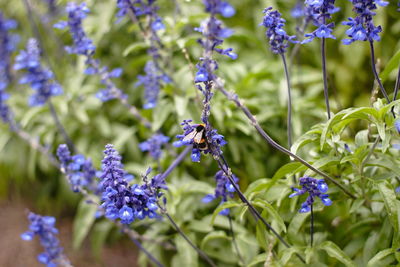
(198, 137)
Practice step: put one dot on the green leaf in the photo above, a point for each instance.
(271, 211)
(376, 260)
(388, 195)
(334, 251)
(221, 207)
(390, 66)
(83, 221)
(99, 235)
(186, 255)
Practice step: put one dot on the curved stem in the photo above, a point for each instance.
(176, 162)
(60, 127)
(312, 225)
(143, 249)
(273, 143)
(179, 230)
(289, 104)
(223, 165)
(325, 78)
(371, 45)
(396, 88)
(234, 240)
(34, 143)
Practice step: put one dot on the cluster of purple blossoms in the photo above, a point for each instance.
(141, 8)
(44, 228)
(362, 27)
(201, 139)
(153, 145)
(7, 46)
(214, 33)
(219, 7)
(79, 170)
(121, 200)
(40, 79)
(83, 45)
(223, 190)
(321, 11)
(278, 38)
(314, 188)
(154, 76)
(152, 83)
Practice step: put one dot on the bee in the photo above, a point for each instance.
(198, 136)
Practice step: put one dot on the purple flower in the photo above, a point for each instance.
(321, 11)
(44, 228)
(152, 83)
(121, 200)
(40, 78)
(314, 188)
(362, 27)
(84, 46)
(219, 7)
(397, 125)
(79, 170)
(76, 14)
(224, 190)
(278, 38)
(202, 139)
(153, 145)
(7, 46)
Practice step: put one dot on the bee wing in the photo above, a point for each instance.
(197, 138)
(190, 136)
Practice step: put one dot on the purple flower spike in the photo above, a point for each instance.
(362, 27)
(44, 228)
(278, 38)
(314, 188)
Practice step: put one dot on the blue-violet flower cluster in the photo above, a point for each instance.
(152, 83)
(40, 78)
(153, 145)
(224, 190)
(7, 46)
(278, 38)
(121, 200)
(212, 141)
(362, 27)
(83, 45)
(314, 188)
(321, 11)
(79, 170)
(44, 228)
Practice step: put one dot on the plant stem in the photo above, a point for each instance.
(396, 88)
(223, 165)
(289, 103)
(34, 143)
(140, 246)
(60, 127)
(378, 80)
(233, 97)
(179, 230)
(312, 225)
(176, 162)
(325, 78)
(234, 240)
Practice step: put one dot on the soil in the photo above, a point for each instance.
(14, 252)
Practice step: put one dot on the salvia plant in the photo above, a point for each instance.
(201, 131)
